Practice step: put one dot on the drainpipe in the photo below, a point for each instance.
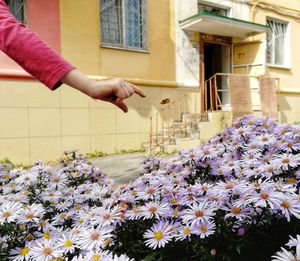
(252, 10)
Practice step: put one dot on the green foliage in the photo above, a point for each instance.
(132, 151)
(96, 154)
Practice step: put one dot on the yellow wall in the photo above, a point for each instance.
(289, 77)
(289, 106)
(39, 124)
(80, 29)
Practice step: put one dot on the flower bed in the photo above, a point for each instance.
(234, 198)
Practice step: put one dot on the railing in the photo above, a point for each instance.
(174, 118)
(181, 114)
(215, 94)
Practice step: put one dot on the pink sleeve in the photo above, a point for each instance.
(30, 52)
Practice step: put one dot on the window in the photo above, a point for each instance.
(123, 23)
(204, 6)
(278, 43)
(17, 7)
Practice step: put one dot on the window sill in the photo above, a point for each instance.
(124, 48)
(285, 67)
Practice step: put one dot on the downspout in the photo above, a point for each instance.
(252, 10)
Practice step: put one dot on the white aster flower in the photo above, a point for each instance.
(285, 255)
(106, 216)
(20, 254)
(198, 213)
(121, 258)
(94, 238)
(45, 250)
(158, 235)
(32, 213)
(10, 211)
(154, 209)
(68, 243)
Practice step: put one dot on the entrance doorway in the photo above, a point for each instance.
(217, 59)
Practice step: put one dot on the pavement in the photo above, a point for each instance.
(122, 167)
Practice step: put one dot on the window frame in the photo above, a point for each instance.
(122, 33)
(15, 12)
(287, 45)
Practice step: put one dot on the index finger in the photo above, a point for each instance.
(137, 90)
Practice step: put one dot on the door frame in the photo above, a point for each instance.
(215, 39)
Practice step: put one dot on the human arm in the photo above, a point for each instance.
(29, 51)
(41, 61)
(112, 90)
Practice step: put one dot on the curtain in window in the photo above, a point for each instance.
(17, 8)
(134, 26)
(276, 40)
(123, 23)
(111, 21)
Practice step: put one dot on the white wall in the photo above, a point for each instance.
(187, 46)
(187, 43)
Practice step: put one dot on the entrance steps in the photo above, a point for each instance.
(196, 134)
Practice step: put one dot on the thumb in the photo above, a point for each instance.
(121, 105)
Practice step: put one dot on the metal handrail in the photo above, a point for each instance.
(211, 86)
(162, 123)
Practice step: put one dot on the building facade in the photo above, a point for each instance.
(169, 48)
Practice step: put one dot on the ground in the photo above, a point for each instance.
(122, 167)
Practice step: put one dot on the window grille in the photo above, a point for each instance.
(277, 43)
(123, 23)
(212, 9)
(17, 8)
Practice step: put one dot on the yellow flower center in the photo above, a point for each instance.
(24, 251)
(175, 213)
(106, 242)
(203, 229)
(150, 191)
(173, 200)
(291, 180)
(77, 206)
(29, 215)
(158, 235)
(236, 211)
(95, 236)
(29, 237)
(199, 213)
(264, 195)
(96, 257)
(47, 251)
(6, 214)
(47, 235)
(152, 209)
(186, 231)
(286, 204)
(106, 216)
(68, 243)
(63, 215)
(285, 161)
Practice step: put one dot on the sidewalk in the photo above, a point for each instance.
(122, 167)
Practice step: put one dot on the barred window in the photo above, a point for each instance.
(277, 43)
(17, 7)
(123, 23)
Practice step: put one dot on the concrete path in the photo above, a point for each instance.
(122, 167)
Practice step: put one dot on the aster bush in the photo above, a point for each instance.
(234, 198)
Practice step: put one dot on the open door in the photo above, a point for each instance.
(215, 57)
